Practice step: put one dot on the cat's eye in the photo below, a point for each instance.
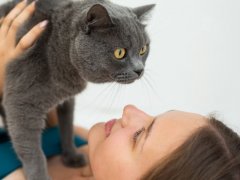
(120, 53)
(143, 50)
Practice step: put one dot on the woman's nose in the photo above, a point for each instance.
(132, 115)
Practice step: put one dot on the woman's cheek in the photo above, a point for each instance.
(118, 143)
(116, 154)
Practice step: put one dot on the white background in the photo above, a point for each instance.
(193, 65)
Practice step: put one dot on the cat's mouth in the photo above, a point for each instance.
(125, 78)
(125, 81)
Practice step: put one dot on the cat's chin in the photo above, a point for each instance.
(126, 81)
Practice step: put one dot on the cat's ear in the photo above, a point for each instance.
(98, 18)
(142, 12)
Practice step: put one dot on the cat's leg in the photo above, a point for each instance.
(65, 115)
(2, 114)
(25, 123)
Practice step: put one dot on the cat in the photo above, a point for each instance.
(85, 41)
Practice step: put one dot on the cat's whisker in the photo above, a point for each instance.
(94, 101)
(119, 88)
(106, 97)
(109, 99)
(101, 102)
(114, 95)
(156, 94)
(146, 89)
(122, 91)
(151, 86)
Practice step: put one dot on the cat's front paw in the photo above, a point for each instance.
(74, 160)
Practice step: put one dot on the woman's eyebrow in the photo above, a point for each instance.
(148, 131)
(150, 128)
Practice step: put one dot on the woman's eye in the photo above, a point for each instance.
(137, 133)
(120, 53)
(143, 50)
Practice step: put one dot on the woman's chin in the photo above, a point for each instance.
(95, 137)
(96, 131)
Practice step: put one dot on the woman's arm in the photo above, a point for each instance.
(82, 132)
(9, 48)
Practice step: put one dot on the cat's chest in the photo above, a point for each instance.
(64, 91)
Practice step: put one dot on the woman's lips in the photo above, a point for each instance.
(108, 126)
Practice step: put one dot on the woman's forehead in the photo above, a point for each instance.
(175, 116)
(170, 130)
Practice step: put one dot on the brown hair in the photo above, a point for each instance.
(210, 153)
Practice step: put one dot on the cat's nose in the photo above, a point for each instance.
(139, 72)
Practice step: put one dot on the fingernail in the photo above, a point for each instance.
(43, 24)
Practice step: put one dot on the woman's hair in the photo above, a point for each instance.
(210, 153)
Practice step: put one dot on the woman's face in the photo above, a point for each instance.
(128, 147)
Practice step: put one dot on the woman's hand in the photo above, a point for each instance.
(9, 48)
(9, 27)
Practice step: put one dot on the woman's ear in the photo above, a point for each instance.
(97, 18)
(143, 11)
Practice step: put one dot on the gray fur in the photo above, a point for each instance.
(77, 47)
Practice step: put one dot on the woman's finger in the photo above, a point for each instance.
(7, 21)
(28, 39)
(19, 20)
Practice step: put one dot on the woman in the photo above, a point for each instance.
(172, 146)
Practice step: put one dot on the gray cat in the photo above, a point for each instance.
(85, 41)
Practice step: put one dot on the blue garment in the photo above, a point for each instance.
(51, 146)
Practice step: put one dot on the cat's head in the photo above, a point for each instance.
(113, 45)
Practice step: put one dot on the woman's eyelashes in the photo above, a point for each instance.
(137, 134)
